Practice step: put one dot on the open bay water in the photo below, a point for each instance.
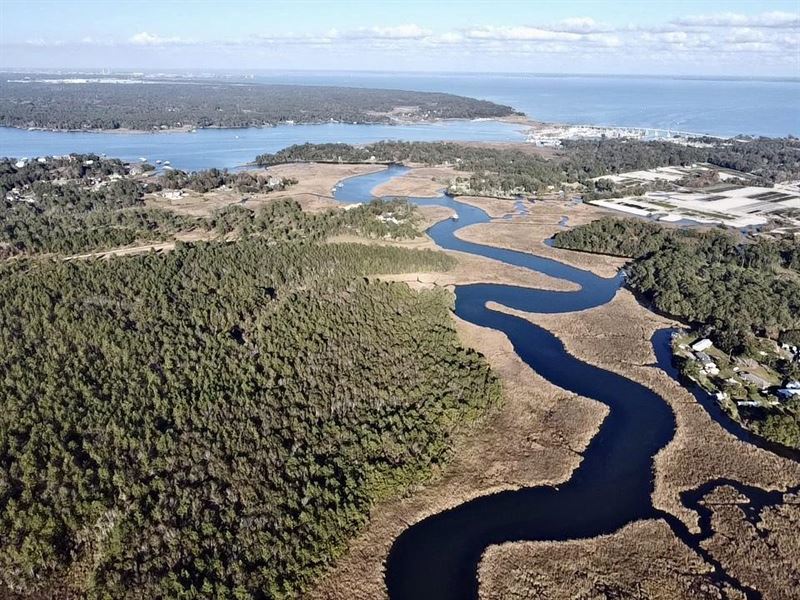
(229, 148)
(723, 107)
(716, 106)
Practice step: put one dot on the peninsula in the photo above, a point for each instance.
(144, 104)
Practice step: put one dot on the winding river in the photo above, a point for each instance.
(438, 557)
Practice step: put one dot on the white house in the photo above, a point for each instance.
(701, 345)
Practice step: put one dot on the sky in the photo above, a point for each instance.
(653, 37)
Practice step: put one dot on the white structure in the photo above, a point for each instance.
(702, 345)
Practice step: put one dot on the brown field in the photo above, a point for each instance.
(643, 561)
(312, 191)
(420, 182)
(765, 553)
(528, 233)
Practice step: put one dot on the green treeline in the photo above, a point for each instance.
(735, 292)
(737, 288)
(509, 171)
(220, 104)
(215, 421)
(212, 179)
(83, 203)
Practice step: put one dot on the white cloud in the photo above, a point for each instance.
(41, 42)
(581, 25)
(768, 36)
(520, 33)
(397, 32)
(777, 19)
(149, 39)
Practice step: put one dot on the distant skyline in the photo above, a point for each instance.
(731, 38)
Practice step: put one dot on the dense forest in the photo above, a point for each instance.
(84, 203)
(156, 104)
(503, 171)
(742, 288)
(215, 421)
(735, 292)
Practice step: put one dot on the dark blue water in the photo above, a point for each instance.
(438, 557)
(229, 148)
(724, 107)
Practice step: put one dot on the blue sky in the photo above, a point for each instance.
(647, 36)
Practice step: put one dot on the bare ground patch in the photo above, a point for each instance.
(312, 190)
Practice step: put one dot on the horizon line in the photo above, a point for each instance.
(246, 71)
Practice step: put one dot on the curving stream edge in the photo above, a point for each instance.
(438, 557)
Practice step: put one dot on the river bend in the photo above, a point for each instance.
(437, 558)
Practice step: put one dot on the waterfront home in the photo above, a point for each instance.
(788, 393)
(701, 345)
(790, 390)
(756, 380)
(704, 359)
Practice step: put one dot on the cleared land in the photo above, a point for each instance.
(312, 190)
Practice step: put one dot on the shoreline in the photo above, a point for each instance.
(692, 457)
(510, 119)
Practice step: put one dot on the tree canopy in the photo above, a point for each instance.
(218, 420)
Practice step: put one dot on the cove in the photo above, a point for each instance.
(230, 148)
(437, 558)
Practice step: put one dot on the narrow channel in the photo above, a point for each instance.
(437, 558)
